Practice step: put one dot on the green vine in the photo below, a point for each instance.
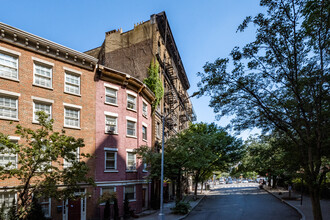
(154, 83)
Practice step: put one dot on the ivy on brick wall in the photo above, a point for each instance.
(154, 83)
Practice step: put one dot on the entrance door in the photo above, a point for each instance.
(74, 209)
(144, 197)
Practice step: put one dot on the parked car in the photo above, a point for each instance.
(245, 181)
(229, 182)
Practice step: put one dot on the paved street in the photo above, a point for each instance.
(241, 201)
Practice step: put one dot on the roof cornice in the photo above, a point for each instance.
(45, 47)
(125, 79)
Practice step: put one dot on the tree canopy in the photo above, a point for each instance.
(281, 81)
(198, 150)
(40, 168)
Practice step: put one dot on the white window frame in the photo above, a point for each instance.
(13, 54)
(115, 88)
(49, 207)
(144, 111)
(158, 127)
(112, 150)
(67, 164)
(128, 135)
(72, 107)
(146, 128)
(68, 71)
(113, 115)
(105, 187)
(128, 93)
(13, 139)
(10, 95)
(42, 101)
(8, 203)
(129, 151)
(124, 191)
(44, 63)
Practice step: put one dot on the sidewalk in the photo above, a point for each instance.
(154, 214)
(306, 208)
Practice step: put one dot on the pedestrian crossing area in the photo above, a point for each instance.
(237, 185)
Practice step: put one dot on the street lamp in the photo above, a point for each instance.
(161, 213)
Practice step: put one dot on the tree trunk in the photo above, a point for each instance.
(178, 188)
(202, 187)
(315, 198)
(196, 185)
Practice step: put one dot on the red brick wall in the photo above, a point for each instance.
(25, 102)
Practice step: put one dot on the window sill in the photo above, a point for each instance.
(12, 79)
(71, 127)
(69, 93)
(44, 87)
(111, 171)
(145, 140)
(108, 103)
(144, 171)
(130, 109)
(9, 119)
(145, 116)
(109, 133)
(131, 136)
(131, 171)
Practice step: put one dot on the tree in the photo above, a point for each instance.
(198, 150)
(154, 83)
(35, 211)
(40, 169)
(281, 82)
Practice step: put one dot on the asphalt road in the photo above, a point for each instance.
(241, 201)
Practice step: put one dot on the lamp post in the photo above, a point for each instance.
(161, 212)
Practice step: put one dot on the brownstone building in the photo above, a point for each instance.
(132, 51)
(38, 74)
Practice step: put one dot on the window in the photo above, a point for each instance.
(72, 117)
(39, 106)
(110, 124)
(108, 189)
(8, 107)
(42, 75)
(7, 157)
(72, 83)
(130, 192)
(110, 160)
(45, 206)
(68, 162)
(8, 66)
(131, 125)
(131, 161)
(131, 102)
(158, 130)
(110, 96)
(144, 109)
(144, 132)
(8, 198)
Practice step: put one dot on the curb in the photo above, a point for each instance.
(183, 217)
(288, 204)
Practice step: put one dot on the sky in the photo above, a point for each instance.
(203, 30)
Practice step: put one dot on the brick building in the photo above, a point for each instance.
(131, 52)
(123, 123)
(38, 74)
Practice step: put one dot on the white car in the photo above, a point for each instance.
(245, 181)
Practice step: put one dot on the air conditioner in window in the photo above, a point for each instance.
(111, 130)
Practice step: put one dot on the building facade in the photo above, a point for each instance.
(38, 74)
(132, 52)
(123, 123)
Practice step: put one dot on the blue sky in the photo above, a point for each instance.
(203, 30)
